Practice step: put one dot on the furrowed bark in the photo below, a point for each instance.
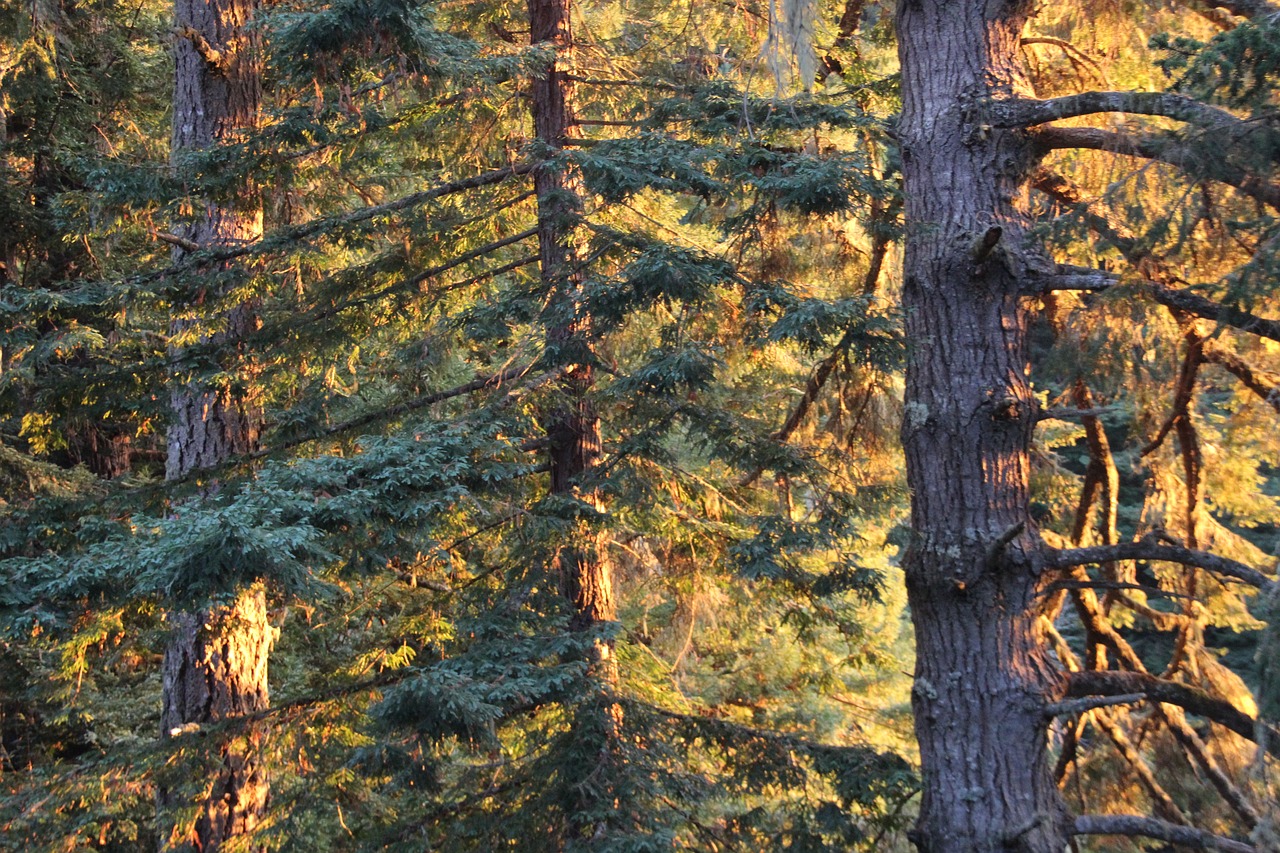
(982, 673)
(215, 665)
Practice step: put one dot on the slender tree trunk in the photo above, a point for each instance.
(982, 676)
(573, 430)
(215, 667)
(574, 427)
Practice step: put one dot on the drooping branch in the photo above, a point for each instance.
(1148, 827)
(1264, 385)
(818, 379)
(1164, 803)
(1027, 112)
(1179, 299)
(1102, 478)
(1167, 151)
(1192, 699)
(1075, 55)
(1149, 550)
(1245, 8)
(1238, 318)
(1199, 753)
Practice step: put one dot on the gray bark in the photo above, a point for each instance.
(982, 676)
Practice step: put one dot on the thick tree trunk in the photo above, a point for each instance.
(215, 667)
(982, 677)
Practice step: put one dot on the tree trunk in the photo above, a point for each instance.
(982, 676)
(215, 666)
(573, 430)
(574, 427)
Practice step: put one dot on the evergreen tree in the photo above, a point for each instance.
(980, 579)
(215, 665)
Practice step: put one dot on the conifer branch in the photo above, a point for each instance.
(1265, 386)
(1149, 827)
(1245, 8)
(1180, 299)
(1185, 696)
(1149, 550)
(477, 384)
(1170, 152)
(1027, 112)
(319, 225)
(1227, 315)
(1182, 396)
(820, 375)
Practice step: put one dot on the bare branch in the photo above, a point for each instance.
(1148, 550)
(1149, 827)
(1071, 707)
(175, 240)
(213, 57)
(1063, 413)
(1026, 112)
(1067, 277)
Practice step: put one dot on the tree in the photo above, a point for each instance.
(215, 666)
(585, 544)
(978, 573)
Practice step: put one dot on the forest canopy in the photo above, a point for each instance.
(639, 426)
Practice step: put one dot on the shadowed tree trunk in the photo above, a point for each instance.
(574, 427)
(982, 678)
(215, 667)
(573, 432)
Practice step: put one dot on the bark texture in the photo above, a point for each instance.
(215, 670)
(574, 427)
(215, 666)
(982, 676)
